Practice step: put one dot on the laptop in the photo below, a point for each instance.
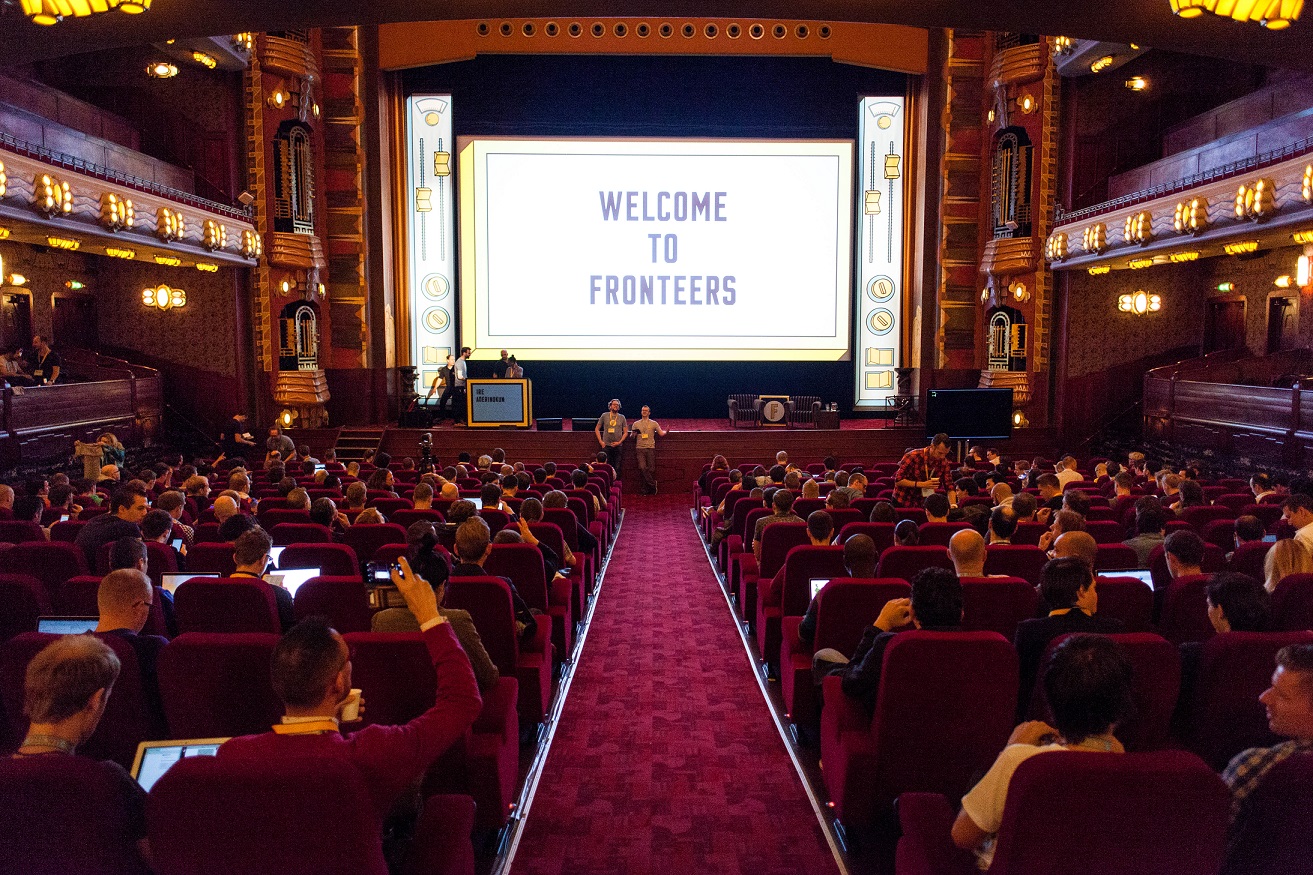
(154, 758)
(291, 578)
(1140, 574)
(66, 625)
(170, 581)
(1269, 539)
(274, 553)
(817, 583)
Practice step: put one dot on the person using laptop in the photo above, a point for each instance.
(131, 553)
(820, 531)
(311, 673)
(65, 690)
(251, 556)
(859, 555)
(124, 599)
(1068, 587)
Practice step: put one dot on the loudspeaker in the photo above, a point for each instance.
(549, 424)
(582, 423)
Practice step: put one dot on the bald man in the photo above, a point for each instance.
(125, 598)
(1078, 544)
(967, 550)
(232, 523)
(6, 502)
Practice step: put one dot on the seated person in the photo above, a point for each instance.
(531, 511)
(324, 512)
(1236, 603)
(311, 673)
(935, 605)
(1248, 530)
(65, 690)
(936, 506)
(1151, 530)
(966, 549)
(127, 508)
(1025, 506)
(1068, 587)
(251, 556)
(422, 497)
(557, 499)
(432, 568)
(907, 534)
(1289, 703)
(473, 547)
(1002, 523)
(1088, 685)
(232, 522)
(1050, 495)
(1287, 556)
(1184, 552)
(30, 509)
(859, 555)
(131, 553)
(124, 598)
(883, 512)
(820, 530)
(1062, 522)
(370, 516)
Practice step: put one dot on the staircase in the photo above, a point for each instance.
(352, 443)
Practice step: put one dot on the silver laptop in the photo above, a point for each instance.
(170, 582)
(817, 584)
(1140, 574)
(154, 758)
(291, 579)
(66, 625)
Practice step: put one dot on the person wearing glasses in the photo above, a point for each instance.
(125, 598)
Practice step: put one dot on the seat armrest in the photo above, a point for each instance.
(842, 713)
(442, 843)
(926, 846)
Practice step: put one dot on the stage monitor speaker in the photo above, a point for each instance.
(582, 423)
(549, 423)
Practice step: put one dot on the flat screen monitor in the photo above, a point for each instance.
(969, 414)
(1140, 574)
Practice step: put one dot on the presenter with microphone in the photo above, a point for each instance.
(611, 431)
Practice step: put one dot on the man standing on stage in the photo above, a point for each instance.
(611, 431)
(645, 448)
(446, 378)
(460, 373)
(926, 468)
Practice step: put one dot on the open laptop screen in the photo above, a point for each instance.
(1138, 573)
(170, 582)
(817, 583)
(154, 758)
(274, 553)
(66, 625)
(291, 578)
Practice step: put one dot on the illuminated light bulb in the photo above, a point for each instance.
(1099, 270)
(1242, 248)
(1226, 287)
(1283, 281)
(1137, 83)
(1102, 64)
(114, 252)
(204, 60)
(162, 70)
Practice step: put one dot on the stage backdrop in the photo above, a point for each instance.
(661, 97)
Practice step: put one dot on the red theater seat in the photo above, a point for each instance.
(218, 685)
(300, 533)
(225, 604)
(344, 600)
(331, 559)
(997, 604)
(1015, 560)
(800, 565)
(905, 562)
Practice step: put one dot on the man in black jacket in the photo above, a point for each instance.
(127, 508)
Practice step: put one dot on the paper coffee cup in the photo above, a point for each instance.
(351, 710)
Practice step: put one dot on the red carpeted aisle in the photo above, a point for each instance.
(666, 758)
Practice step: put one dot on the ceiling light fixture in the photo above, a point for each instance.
(47, 12)
(1102, 64)
(205, 60)
(162, 70)
(114, 252)
(1272, 14)
(1243, 247)
(1137, 83)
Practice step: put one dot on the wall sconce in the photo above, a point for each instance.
(4, 232)
(1302, 237)
(75, 285)
(168, 260)
(1138, 227)
(1226, 287)
(1019, 419)
(162, 70)
(286, 417)
(50, 196)
(114, 252)
(49, 12)
(207, 267)
(1137, 83)
(164, 298)
(243, 42)
(1062, 45)
(1191, 216)
(1099, 270)
(1272, 14)
(1026, 103)
(1283, 281)
(252, 244)
(17, 279)
(1019, 292)
(1056, 246)
(1304, 271)
(170, 224)
(278, 99)
(1139, 303)
(1139, 263)
(1102, 64)
(67, 243)
(1256, 201)
(1181, 257)
(1244, 247)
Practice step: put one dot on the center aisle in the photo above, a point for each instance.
(666, 757)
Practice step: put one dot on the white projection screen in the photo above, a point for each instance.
(672, 249)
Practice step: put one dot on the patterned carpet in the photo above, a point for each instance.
(666, 758)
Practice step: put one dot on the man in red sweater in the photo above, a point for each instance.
(311, 671)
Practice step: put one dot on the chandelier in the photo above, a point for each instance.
(54, 11)
(1272, 14)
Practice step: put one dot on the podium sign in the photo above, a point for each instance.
(494, 403)
(774, 410)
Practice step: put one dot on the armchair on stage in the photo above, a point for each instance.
(744, 408)
(802, 410)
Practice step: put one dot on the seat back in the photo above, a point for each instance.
(745, 520)
(848, 605)
(365, 539)
(804, 506)
(1128, 599)
(1249, 558)
(905, 562)
(1272, 835)
(1163, 813)
(488, 599)
(1185, 610)
(843, 516)
(65, 814)
(1219, 532)
(944, 710)
(938, 534)
(389, 505)
(394, 672)
(523, 564)
(802, 564)
(51, 562)
(249, 817)
(66, 531)
(997, 604)
(1015, 560)
(1029, 533)
(334, 560)
(881, 533)
(225, 604)
(279, 515)
(22, 601)
(215, 558)
(565, 521)
(1106, 531)
(342, 599)
(406, 516)
(1225, 716)
(217, 685)
(777, 539)
(1292, 603)
(20, 531)
(300, 533)
(1214, 560)
(1201, 515)
(551, 536)
(1115, 557)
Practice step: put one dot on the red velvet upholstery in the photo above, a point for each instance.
(1201, 515)
(997, 604)
(1225, 716)
(279, 515)
(846, 606)
(551, 536)
(1155, 681)
(944, 711)
(777, 539)
(208, 533)
(217, 685)
(523, 565)
(365, 539)
(1128, 599)
(1029, 533)
(529, 660)
(389, 506)
(938, 534)
(1292, 603)
(905, 562)
(1106, 531)
(1275, 838)
(800, 565)
(1015, 560)
(344, 600)
(239, 817)
(406, 516)
(1185, 610)
(51, 562)
(395, 675)
(1115, 557)
(1219, 532)
(1235, 501)
(882, 534)
(65, 815)
(215, 558)
(285, 534)
(66, 531)
(331, 559)
(21, 531)
(225, 604)
(23, 600)
(1249, 558)
(1160, 813)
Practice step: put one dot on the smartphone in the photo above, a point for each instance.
(63, 517)
(176, 543)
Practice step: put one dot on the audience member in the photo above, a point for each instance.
(473, 547)
(1184, 553)
(1063, 521)
(127, 508)
(251, 556)
(782, 505)
(922, 469)
(859, 555)
(1287, 556)
(1151, 529)
(907, 534)
(1298, 511)
(1025, 505)
(967, 551)
(1002, 524)
(124, 599)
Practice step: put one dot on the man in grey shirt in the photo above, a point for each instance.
(647, 430)
(611, 431)
(460, 373)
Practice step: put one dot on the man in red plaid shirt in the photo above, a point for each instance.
(925, 468)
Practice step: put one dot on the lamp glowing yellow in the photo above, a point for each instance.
(1139, 303)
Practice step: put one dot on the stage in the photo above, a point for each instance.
(681, 454)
